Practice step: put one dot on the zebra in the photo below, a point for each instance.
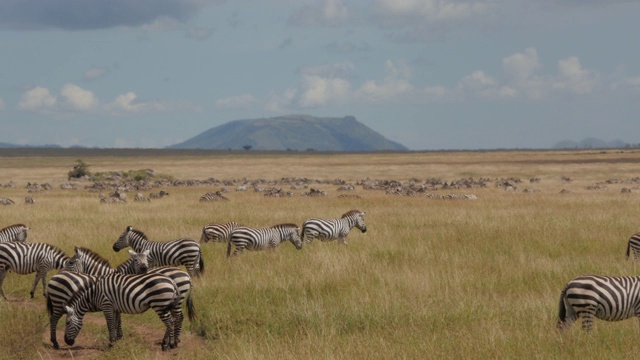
(610, 298)
(218, 232)
(213, 196)
(70, 280)
(27, 258)
(15, 232)
(158, 195)
(88, 262)
(115, 294)
(263, 238)
(182, 251)
(633, 245)
(141, 198)
(327, 230)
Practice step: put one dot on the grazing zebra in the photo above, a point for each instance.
(115, 294)
(263, 238)
(6, 201)
(158, 195)
(634, 245)
(218, 232)
(182, 251)
(88, 262)
(65, 284)
(213, 196)
(140, 198)
(327, 230)
(610, 298)
(27, 258)
(16, 232)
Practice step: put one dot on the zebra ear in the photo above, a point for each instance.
(68, 309)
(129, 228)
(146, 252)
(132, 253)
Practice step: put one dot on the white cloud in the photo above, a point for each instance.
(38, 99)
(575, 78)
(319, 91)
(327, 13)
(395, 87)
(78, 98)
(127, 103)
(431, 10)
(95, 73)
(520, 67)
(239, 102)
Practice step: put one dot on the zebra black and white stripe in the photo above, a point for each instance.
(182, 251)
(89, 262)
(27, 258)
(218, 232)
(65, 284)
(633, 245)
(116, 294)
(333, 229)
(610, 298)
(15, 232)
(263, 238)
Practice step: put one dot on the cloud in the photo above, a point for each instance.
(77, 98)
(199, 33)
(240, 102)
(96, 14)
(575, 78)
(95, 73)
(38, 99)
(128, 103)
(327, 13)
(347, 47)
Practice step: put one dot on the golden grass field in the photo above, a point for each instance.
(431, 278)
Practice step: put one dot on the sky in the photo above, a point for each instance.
(429, 74)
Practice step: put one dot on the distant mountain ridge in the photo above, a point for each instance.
(292, 132)
(591, 143)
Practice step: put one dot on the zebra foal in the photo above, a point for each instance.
(262, 238)
(115, 294)
(609, 298)
(183, 251)
(15, 232)
(332, 229)
(27, 258)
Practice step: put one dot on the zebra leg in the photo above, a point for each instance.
(53, 324)
(178, 317)
(39, 276)
(168, 341)
(112, 324)
(119, 334)
(342, 240)
(3, 273)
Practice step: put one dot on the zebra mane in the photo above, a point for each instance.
(56, 250)
(286, 225)
(14, 225)
(350, 213)
(139, 233)
(92, 255)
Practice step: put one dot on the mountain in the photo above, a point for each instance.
(591, 143)
(292, 132)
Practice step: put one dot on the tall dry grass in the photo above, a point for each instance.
(430, 279)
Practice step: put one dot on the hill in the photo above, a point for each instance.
(292, 132)
(591, 143)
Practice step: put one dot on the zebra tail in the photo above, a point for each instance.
(49, 305)
(229, 248)
(201, 261)
(628, 248)
(566, 315)
(191, 311)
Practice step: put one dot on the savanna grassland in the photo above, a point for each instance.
(431, 278)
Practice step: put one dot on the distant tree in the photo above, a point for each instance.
(247, 147)
(80, 169)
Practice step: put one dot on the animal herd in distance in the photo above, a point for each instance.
(86, 282)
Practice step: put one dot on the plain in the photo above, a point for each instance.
(431, 278)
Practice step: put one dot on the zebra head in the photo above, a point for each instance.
(124, 240)
(73, 325)
(22, 234)
(292, 233)
(360, 224)
(138, 262)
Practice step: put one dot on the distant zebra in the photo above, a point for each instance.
(213, 196)
(218, 232)
(116, 294)
(70, 280)
(158, 195)
(89, 262)
(610, 298)
(6, 201)
(141, 198)
(15, 232)
(27, 258)
(327, 230)
(263, 238)
(633, 245)
(182, 251)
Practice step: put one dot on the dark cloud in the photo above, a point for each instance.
(92, 14)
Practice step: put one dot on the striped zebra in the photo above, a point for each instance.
(27, 258)
(65, 284)
(16, 232)
(158, 195)
(610, 298)
(213, 196)
(182, 251)
(89, 262)
(116, 294)
(218, 232)
(327, 230)
(633, 245)
(263, 238)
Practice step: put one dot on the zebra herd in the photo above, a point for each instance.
(609, 298)
(150, 278)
